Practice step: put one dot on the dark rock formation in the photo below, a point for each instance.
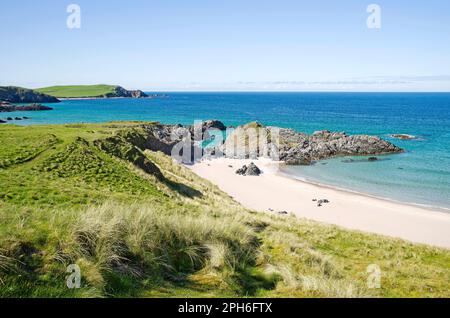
(250, 170)
(301, 149)
(122, 92)
(31, 107)
(14, 94)
(208, 124)
(403, 136)
(2, 121)
(373, 159)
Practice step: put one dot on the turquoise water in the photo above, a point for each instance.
(421, 175)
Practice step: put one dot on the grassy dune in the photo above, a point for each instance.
(138, 224)
(77, 91)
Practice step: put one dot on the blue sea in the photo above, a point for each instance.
(421, 175)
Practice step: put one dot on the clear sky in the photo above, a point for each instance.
(228, 45)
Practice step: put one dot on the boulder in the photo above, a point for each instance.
(250, 170)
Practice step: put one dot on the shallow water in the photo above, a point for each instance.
(421, 175)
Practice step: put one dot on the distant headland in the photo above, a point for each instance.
(54, 94)
(91, 91)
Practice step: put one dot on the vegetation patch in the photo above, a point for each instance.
(77, 91)
(138, 224)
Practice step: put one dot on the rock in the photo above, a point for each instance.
(24, 117)
(314, 200)
(206, 125)
(216, 124)
(292, 147)
(138, 94)
(372, 159)
(14, 94)
(283, 212)
(18, 118)
(253, 170)
(242, 171)
(250, 170)
(230, 166)
(296, 148)
(122, 92)
(322, 201)
(9, 118)
(403, 136)
(2, 121)
(31, 107)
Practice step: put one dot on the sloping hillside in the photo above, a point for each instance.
(138, 224)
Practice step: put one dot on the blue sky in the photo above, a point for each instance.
(228, 45)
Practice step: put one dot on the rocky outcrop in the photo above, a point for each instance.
(122, 92)
(250, 170)
(31, 107)
(287, 145)
(297, 148)
(403, 136)
(14, 94)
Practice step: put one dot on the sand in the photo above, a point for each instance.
(272, 192)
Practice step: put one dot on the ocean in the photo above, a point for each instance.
(421, 175)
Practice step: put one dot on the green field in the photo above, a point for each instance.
(77, 91)
(139, 225)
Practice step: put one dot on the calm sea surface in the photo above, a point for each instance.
(421, 175)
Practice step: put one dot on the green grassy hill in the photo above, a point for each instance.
(77, 91)
(138, 224)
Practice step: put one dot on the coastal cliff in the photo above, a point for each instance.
(13, 94)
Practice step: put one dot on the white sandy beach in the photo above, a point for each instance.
(273, 191)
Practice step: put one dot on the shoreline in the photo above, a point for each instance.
(430, 208)
(275, 191)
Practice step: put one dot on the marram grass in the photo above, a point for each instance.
(65, 199)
